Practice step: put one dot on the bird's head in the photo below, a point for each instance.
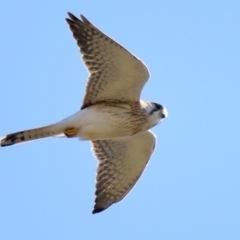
(156, 113)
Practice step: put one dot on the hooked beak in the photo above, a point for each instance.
(164, 113)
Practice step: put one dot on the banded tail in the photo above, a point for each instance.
(33, 134)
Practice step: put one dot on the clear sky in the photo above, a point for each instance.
(191, 187)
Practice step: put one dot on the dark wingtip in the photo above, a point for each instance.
(98, 210)
(84, 19)
(73, 19)
(70, 15)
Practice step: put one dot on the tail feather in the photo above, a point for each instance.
(32, 134)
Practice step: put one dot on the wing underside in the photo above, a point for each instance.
(121, 163)
(115, 74)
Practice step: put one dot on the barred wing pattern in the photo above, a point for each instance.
(115, 74)
(121, 163)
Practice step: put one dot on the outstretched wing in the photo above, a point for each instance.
(115, 74)
(121, 163)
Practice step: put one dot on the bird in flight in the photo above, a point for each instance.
(112, 116)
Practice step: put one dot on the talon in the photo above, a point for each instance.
(71, 132)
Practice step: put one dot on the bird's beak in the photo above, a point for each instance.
(164, 113)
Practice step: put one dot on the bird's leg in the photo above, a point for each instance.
(71, 132)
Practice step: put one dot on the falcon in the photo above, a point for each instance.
(112, 116)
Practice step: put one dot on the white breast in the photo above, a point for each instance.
(102, 122)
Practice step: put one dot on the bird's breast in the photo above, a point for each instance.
(106, 121)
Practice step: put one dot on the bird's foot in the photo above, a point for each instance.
(71, 132)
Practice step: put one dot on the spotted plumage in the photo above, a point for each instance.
(112, 116)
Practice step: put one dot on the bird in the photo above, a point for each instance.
(112, 116)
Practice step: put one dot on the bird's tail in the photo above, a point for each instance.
(33, 134)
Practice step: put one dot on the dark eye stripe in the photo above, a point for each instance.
(157, 107)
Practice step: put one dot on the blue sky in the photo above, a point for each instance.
(191, 187)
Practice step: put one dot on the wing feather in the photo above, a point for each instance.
(121, 163)
(115, 74)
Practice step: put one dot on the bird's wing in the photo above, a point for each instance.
(115, 74)
(121, 163)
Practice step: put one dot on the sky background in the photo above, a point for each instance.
(191, 186)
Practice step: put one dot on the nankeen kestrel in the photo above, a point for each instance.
(112, 115)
